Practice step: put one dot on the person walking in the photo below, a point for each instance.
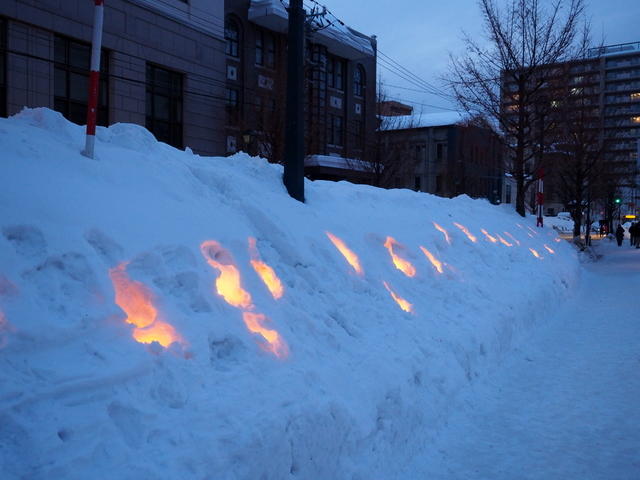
(633, 231)
(619, 235)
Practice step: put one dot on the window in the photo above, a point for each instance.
(232, 37)
(336, 133)
(635, 96)
(233, 98)
(359, 134)
(71, 81)
(439, 151)
(335, 73)
(635, 119)
(164, 104)
(265, 49)
(358, 81)
(3, 68)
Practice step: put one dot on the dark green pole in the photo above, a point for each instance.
(294, 130)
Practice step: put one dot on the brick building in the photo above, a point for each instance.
(163, 64)
(441, 153)
(340, 69)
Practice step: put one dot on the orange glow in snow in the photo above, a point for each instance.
(504, 242)
(136, 300)
(535, 253)
(491, 238)
(549, 249)
(265, 272)
(402, 303)
(274, 342)
(434, 261)
(512, 238)
(557, 240)
(464, 229)
(347, 253)
(229, 287)
(401, 264)
(444, 232)
(228, 282)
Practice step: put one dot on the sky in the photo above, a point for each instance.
(420, 35)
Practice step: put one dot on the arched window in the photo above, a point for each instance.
(232, 37)
(359, 81)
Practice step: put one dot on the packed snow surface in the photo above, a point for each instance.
(334, 375)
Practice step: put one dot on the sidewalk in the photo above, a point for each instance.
(566, 405)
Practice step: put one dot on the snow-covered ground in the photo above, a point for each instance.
(565, 403)
(338, 374)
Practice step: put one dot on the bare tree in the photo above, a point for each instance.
(505, 78)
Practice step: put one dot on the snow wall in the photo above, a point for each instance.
(331, 380)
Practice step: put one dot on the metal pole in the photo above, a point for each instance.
(540, 198)
(294, 133)
(94, 78)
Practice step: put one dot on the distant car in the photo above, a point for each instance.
(564, 215)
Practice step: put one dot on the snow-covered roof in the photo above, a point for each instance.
(332, 161)
(421, 120)
(272, 14)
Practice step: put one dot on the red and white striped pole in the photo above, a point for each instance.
(94, 78)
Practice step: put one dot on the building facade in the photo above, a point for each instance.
(340, 81)
(442, 154)
(163, 65)
(604, 87)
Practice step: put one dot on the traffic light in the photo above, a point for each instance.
(617, 200)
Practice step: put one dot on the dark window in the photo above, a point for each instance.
(3, 67)
(359, 81)
(416, 185)
(336, 131)
(335, 73)
(232, 37)
(265, 49)
(439, 151)
(233, 106)
(359, 134)
(71, 81)
(164, 105)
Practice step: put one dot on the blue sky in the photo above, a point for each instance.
(419, 34)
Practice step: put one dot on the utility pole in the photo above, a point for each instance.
(294, 121)
(94, 78)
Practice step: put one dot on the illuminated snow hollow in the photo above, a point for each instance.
(168, 316)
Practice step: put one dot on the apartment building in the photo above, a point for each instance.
(440, 153)
(340, 70)
(605, 86)
(163, 65)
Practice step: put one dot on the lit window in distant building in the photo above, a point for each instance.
(72, 61)
(635, 119)
(336, 131)
(164, 104)
(335, 73)
(232, 37)
(3, 68)
(635, 96)
(359, 81)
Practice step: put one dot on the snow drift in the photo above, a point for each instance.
(143, 334)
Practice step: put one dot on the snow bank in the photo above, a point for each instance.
(358, 381)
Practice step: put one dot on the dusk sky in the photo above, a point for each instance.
(420, 34)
